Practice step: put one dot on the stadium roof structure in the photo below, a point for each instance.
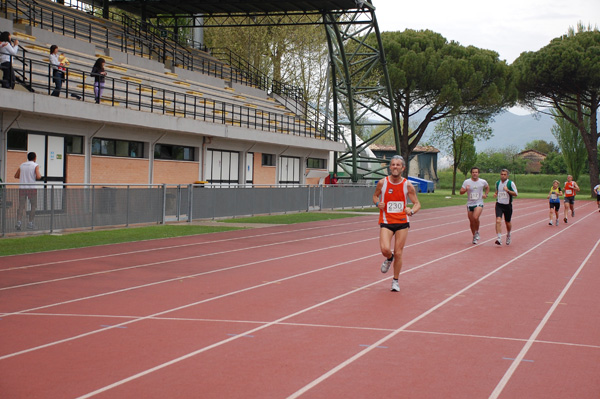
(345, 21)
(219, 7)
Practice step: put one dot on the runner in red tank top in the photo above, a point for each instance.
(391, 196)
(571, 188)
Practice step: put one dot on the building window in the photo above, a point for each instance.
(118, 148)
(174, 152)
(17, 140)
(74, 144)
(268, 160)
(316, 163)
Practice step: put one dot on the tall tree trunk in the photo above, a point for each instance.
(454, 169)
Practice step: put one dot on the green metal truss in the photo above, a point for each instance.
(360, 83)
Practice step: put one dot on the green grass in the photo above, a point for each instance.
(291, 218)
(530, 183)
(31, 244)
(24, 245)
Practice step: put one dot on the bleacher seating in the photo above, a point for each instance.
(148, 89)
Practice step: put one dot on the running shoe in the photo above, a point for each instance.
(474, 239)
(18, 226)
(556, 223)
(507, 240)
(498, 241)
(385, 266)
(565, 219)
(550, 223)
(572, 214)
(395, 286)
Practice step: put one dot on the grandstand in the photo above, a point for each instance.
(168, 115)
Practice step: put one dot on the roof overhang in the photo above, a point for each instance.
(216, 7)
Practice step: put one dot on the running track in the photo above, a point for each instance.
(303, 311)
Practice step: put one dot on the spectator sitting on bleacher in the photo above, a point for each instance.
(8, 49)
(99, 75)
(58, 74)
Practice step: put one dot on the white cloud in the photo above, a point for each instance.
(509, 27)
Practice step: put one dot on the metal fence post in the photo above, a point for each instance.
(178, 202)
(190, 199)
(3, 196)
(51, 208)
(164, 203)
(93, 195)
(127, 209)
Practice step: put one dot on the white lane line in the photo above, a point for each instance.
(194, 304)
(249, 264)
(58, 262)
(511, 370)
(279, 321)
(328, 326)
(172, 260)
(194, 244)
(383, 340)
(194, 275)
(224, 295)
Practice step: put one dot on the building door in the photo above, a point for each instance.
(50, 151)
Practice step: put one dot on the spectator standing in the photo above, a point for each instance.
(8, 49)
(99, 75)
(58, 73)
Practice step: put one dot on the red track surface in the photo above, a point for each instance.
(303, 311)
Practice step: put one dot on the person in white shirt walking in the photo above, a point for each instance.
(27, 174)
(477, 190)
(505, 191)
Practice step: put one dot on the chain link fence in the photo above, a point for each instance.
(61, 207)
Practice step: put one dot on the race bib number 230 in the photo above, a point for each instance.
(395, 206)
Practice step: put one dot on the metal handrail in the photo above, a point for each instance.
(139, 96)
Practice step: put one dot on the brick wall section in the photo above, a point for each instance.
(263, 174)
(176, 172)
(119, 170)
(14, 159)
(75, 168)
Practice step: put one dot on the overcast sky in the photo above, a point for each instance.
(508, 27)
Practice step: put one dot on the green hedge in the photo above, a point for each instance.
(525, 183)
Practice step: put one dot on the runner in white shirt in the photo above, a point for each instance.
(477, 190)
(505, 191)
(27, 174)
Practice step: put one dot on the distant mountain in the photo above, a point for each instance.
(517, 130)
(513, 130)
